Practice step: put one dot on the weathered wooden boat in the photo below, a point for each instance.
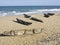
(50, 14)
(46, 15)
(35, 19)
(26, 16)
(23, 22)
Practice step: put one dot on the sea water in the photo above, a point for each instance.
(18, 10)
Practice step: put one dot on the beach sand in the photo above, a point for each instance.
(50, 25)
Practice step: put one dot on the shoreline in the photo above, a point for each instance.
(33, 11)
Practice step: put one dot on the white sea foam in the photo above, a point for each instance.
(30, 12)
(47, 10)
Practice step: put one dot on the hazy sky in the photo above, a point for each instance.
(28, 2)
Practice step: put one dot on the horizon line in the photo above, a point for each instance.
(30, 5)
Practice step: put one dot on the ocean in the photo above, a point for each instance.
(17, 10)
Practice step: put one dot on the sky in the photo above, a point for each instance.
(29, 2)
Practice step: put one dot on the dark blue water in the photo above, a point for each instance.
(17, 10)
(26, 8)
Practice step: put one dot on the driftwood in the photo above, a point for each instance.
(28, 32)
(35, 19)
(21, 32)
(26, 16)
(23, 22)
(6, 33)
(17, 32)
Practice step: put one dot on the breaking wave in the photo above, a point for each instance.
(3, 13)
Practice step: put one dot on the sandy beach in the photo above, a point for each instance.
(50, 26)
